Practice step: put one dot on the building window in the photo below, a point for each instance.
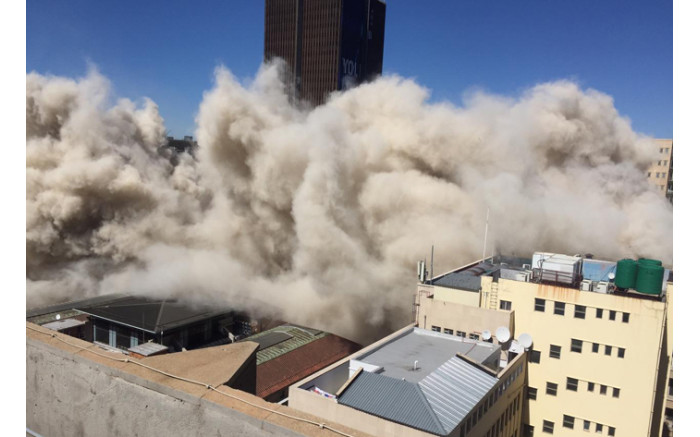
(594, 347)
(625, 317)
(554, 351)
(603, 389)
(548, 427)
(616, 392)
(464, 334)
(661, 150)
(449, 331)
(572, 384)
(599, 313)
(598, 427)
(612, 315)
(586, 425)
(559, 308)
(539, 305)
(580, 312)
(505, 305)
(528, 430)
(621, 352)
(474, 336)
(436, 328)
(591, 386)
(551, 389)
(608, 350)
(532, 393)
(535, 356)
(576, 345)
(665, 163)
(611, 431)
(568, 422)
(649, 174)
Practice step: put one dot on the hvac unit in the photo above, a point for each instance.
(586, 285)
(602, 287)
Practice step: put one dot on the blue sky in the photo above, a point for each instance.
(167, 50)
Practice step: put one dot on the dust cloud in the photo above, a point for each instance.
(318, 216)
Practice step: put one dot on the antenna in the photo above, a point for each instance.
(502, 334)
(525, 340)
(486, 233)
(432, 253)
(486, 335)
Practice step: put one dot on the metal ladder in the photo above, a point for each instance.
(493, 296)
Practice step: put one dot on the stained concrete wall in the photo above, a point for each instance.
(77, 394)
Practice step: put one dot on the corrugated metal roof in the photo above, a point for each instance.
(453, 389)
(298, 337)
(392, 399)
(148, 348)
(59, 325)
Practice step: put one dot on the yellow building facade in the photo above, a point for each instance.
(599, 362)
(660, 173)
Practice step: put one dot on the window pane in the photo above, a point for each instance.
(572, 384)
(608, 350)
(595, 347)
(616, 392)
(551, 389)
(554, 351)
(620, 352)
(580, 312)
(591, 386)
(625, 317)
(539, 305)
(586, 425)
(576, 345)
(462, 334)
(534, 356)
(598, 427)
(612, 315)
(449, 331)
(436, 328)
(532, 393)
(568, 422)
(599, 313)
(603, 389)
(559, 308)
(505, 305)
(611, 431)
(548, 427)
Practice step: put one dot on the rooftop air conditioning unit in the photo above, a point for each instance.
(602, 287)
(586, 285)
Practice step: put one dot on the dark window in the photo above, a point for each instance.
(612, 315)
(548, 427)
(554, 351)
(551, 389)
(591, 386)
(505, 305)
(620, 352)
(532, 393)
(462, 334)
(611, 431)
(625, 317)
(608, 350)
(598, 427)
(436, 328)
(449, 331)
(101, 334)
(603, 389)
(474, 336)
(594, 347)
(568, 422)
(559, 308)
(586, 425)
(572, 384)
(599, 313)
(534, 356)
(616, 392)
(528, 430)
(539, 305)
(576, 345)
(580, 312)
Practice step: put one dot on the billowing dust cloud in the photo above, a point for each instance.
(319, 216)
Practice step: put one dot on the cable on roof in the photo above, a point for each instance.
(180, 378)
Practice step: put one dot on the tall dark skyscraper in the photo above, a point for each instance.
(328, 45)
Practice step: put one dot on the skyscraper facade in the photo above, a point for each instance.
(327, 45)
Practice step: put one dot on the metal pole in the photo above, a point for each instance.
(432, 253)
(486, 233)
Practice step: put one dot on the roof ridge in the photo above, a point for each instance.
(429, 407)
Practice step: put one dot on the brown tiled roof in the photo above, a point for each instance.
(285, 370)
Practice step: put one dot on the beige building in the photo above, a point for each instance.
(420, 383)
(660, 173)
(599, 362)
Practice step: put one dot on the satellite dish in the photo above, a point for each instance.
(525, 340)
(502, 334)
(58, 317)
(486, 335)
(611, 276)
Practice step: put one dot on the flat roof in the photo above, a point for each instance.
(59, 325)
(430, 349)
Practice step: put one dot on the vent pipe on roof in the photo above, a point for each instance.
(415, 365)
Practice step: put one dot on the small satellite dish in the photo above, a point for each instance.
(58, 317)
(611, 276)
(486, 335)
(502, 334)
(525, 340)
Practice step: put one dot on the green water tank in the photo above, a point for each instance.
(649, 262)
(626, 273)
(650, 278)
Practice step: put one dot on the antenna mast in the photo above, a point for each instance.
(486, 233)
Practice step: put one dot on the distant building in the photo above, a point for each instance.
(417, 382)
(600, 359)
(289, 353)
(328, 45)
(185, 145)
(660, 173)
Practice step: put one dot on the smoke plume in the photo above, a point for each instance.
(318, 216)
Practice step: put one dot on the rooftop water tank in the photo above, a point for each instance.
(626, 273)
(650, 278)
(649, 262)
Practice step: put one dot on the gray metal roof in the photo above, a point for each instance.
(463, 280)
(393, 399)
(148, 348)
(454, 389)
(59, 325)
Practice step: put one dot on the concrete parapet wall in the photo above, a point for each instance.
(71, 392)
